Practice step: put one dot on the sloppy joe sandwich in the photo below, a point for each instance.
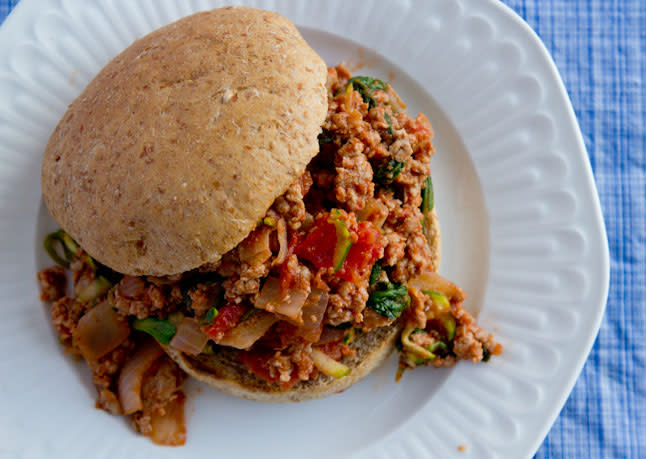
(233, 209)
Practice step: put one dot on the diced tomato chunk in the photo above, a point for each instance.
(257, 360)
(333, 349)
(319, 244)
(228, 317)
(363, 253)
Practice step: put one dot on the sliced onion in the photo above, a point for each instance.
(189, 337)
(255, 249)
(169, 429)
(132, 375)
(288, 303)
(281, 232)
(328, 365)
(313, 313)
(131, 287)
(99, 331)
(436, 283)
(374, 211)
(331, 335)
(248, 332)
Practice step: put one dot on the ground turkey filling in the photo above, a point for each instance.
(341, 252)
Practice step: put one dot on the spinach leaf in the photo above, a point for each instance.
(210, 316)
(386, 174)
(373, 84)
(160, 329)
(375, 273)
(366, 86)
(390, 123)
(389, 300)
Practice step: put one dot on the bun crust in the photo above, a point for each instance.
(223, 372)
(169, 157)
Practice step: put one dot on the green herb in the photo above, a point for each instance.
(390, 123)
(49, 243)
(389, 300)
(369, 83)
(375, 273)
(448, 323)
(343, 240)
(427, 196)
(486, 354)
(349, 336)
(69, 245)
(386, 174)
(326, 137)
(366, 86)
(438, 345)
(70, 249)
(98, 287)
(160, 329)
(211, 315)
(441, 302)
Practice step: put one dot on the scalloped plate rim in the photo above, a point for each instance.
(27, 7)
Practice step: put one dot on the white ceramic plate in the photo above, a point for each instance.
(523, 234)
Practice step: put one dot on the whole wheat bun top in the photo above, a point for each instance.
(169, 157)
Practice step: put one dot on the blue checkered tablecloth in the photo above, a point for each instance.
(599, 47)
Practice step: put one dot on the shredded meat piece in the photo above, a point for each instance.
(299, 274)
(403, 230)
(105, 372)
(203, 298)
(395, 248)
(237, 289)
(416, 309)
(109, 401)
(242, 279)
(52, 283)
(66, 313)
(293, 360)
(347, 303)
(353, 181)
(140, 300)
(291, 206)
(470, 339)
(162, 384)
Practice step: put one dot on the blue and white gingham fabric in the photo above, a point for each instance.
(599, 47)
(5, 7)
